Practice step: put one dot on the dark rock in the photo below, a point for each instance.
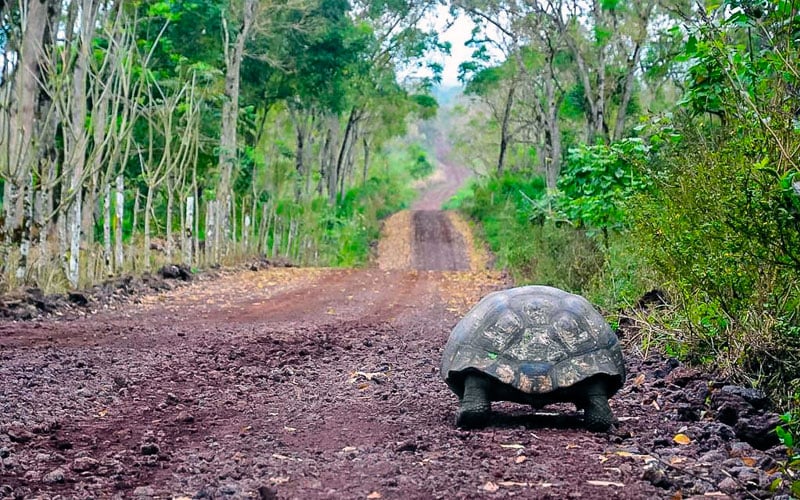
(728, 485)
(267, 493)
(78, 298)
(711, 430)
(688, 413)
(63, 444)
(728, 413)
(54, 476)
(696, 392)
(149, 449)
(740, 449)
(665, 370)
(184, 417)
(84, 464)
(732, 403)
(4, 452)
(757, 399)
(656, 476)
(759, 430)
(750, 476)
(712, 457)
(19, 435)
(406, 446)
(144, 492)
(176, 271)
(767, 462)
(682, 375)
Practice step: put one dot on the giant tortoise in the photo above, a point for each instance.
(533, 345)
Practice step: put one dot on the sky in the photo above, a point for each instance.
(460, 32)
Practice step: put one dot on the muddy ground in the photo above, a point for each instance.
(324, 383)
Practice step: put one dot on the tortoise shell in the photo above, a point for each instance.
(537, 339)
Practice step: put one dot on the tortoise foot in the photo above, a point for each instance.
(597, 415)
(472, 418)
(476, 406)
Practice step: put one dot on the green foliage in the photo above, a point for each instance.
(426, 105)
(549, 253)
(353, 226)
(484, 79)
(574, 105)
(598, 180)
(789, 435)
(420, 166)
(463, 196)
(721, 226)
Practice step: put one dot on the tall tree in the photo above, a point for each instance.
(244, 14)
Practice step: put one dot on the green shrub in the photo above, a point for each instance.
(722, 229)
(544, 253)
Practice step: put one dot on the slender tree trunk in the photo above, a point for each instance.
(107, 258)
(262, 230)
(87, 216)
(196, 202)
(326, 152)
(630, 78)
(148, 207)
(210, 231)
(44, 222)
(230, 111)
(187, 232)
(246, 233)
(136, 209)
(553, 167)
(365, 141)
(304, 123)
(339, 171)
(276, 238)
(77, 138)
(119, 211)
(27, 217)
(170, 203)
(17, 160)
(505, 136)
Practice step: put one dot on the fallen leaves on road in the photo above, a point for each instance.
(394, 247)
(490, 487)
(370, 376)
(605, 483)
(493, 487)
(682, 439)
(477, 254)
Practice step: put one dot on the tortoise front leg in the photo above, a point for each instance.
(476, 406)
(597, 415)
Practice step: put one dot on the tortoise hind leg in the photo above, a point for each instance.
(597, 415)
(475, 404)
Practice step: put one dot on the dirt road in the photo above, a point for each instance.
(324, 383)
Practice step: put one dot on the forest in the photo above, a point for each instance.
(137, 133)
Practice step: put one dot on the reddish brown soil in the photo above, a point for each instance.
(449, 178)
(325, 383)
(437, 245)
